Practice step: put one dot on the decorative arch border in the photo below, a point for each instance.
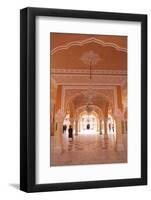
(87, 41)
(96, 107)
(114, 103)
(80, 93)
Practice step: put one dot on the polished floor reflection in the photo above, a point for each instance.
(87, 148)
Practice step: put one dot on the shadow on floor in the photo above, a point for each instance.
(14, 185)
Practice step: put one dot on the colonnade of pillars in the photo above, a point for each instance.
(103, 125)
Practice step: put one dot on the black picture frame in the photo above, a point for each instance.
(28, 99)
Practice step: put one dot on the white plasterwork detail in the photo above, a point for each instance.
(87, 41)
(83, 79)
(85, 71)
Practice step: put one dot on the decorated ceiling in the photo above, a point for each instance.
(78, 51)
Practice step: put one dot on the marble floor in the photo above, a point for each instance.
(85, 149)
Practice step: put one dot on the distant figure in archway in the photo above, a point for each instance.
(88, 126)
(64, 128)
(70, 130)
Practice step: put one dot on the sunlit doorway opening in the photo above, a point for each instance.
(88, 124)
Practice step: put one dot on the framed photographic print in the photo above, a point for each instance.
(83, 99)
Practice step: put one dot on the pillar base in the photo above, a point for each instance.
(119, 147)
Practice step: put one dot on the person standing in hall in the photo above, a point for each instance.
(70, 130)
(64, 128)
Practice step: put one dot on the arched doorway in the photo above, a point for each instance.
(88, 123)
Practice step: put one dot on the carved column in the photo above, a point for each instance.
(76, 126)
(79, 126)
(106, 120)
(125, 127)
(97, 123)
(119, 137)
(105, 128)
(52, 117)
(105, 135)
(59, 120)
(100, 126)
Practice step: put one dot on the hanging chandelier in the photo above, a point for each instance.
(91, 59)
(88, 109)
(90, 93)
